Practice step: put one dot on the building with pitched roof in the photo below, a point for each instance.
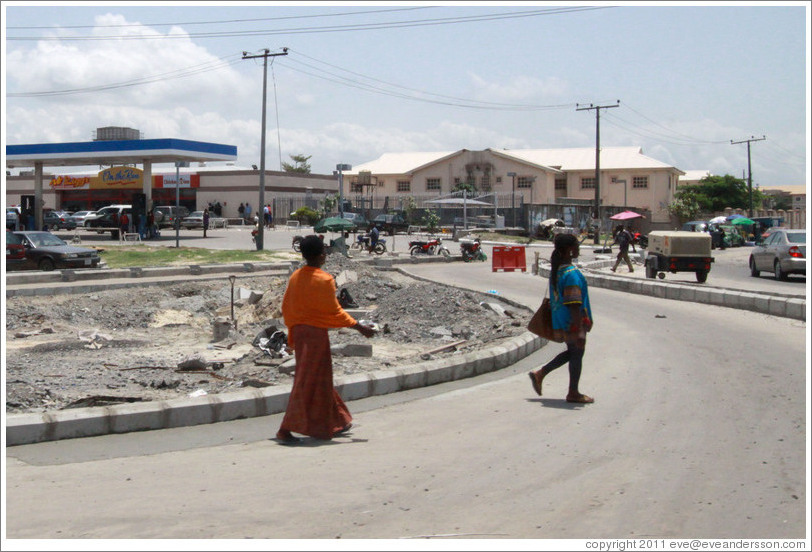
(629, 179)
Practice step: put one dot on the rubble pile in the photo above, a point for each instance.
(157, 342)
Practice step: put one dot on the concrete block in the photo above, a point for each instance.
(353, 386)
(68, 275)
(761, 303)
(383, 383)
(248, 267)
(717, 297)
(136, 272)
(412, 377)
(195, 270)
(796, 309)
(778, 306)
(352, 350)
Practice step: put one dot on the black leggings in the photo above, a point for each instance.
(574, 355)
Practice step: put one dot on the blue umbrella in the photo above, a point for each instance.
(734, 217)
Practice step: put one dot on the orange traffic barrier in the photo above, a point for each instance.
(508, 258)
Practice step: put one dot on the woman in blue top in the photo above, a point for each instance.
(572, 316)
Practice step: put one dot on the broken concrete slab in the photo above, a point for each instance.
(352, 350)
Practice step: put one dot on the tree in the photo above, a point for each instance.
(329, 203)
(302, 166)
(686, 205)
(467, 185)
(431, 219)
(409, 208)
(721, 192)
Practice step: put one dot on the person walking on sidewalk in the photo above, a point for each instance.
(205, 221)
(572, 316)
(623, 239)
(310, 308)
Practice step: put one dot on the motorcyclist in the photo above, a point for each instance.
(373, 238)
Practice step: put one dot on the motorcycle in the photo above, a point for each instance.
(640, 240)
(434, 246)
(472, 250)
(362, 243)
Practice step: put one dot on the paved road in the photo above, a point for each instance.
(698, 431)
(730, 269)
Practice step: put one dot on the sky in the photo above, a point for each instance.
(366, 78)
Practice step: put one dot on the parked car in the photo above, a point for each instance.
(57, 220)
(15, 251)
(79, 217)
(44, 251)
(782, 253)
(194, 220)
(166, 215)
(733, 236)
(106, 218)
(705, 226)
(390, 223)
(358, 219)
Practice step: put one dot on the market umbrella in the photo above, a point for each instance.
(718, 220)
(333, 224)
(734, 217)
(460, 202)
(552, 222)
(626, 215)
(742, 221)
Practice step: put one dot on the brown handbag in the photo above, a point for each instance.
(542, 322)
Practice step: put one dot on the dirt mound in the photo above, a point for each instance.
(127, 345)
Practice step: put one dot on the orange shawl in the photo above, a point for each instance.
(310, 299)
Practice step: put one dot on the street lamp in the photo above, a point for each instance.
(513, 199)
(341, 167)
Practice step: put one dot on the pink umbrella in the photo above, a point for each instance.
(626, 215)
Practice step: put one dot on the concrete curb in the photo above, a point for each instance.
(786, 307)
(24, 429)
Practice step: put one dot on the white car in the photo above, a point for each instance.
(79, 217)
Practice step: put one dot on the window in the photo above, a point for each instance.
(524, 182)
(640, 182)
(485, 182)
(588, 183)
(561, 184)
(356, 187)
(404, 186)
(432, 184)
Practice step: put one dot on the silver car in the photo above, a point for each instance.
(782, 253)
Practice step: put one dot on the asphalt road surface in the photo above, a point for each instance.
(698, 431)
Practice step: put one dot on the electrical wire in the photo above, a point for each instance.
(423, 92)
(323, 29)
(160, 77)
(218, 22)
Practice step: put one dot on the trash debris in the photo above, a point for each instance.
(193, 362)
(34, 332)
(256, 383)
(94, 338)
(198, 393)
(272, 342)
(101, 400)
(346, 300)
(492, 292)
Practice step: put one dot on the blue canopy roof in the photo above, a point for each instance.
(112, 152)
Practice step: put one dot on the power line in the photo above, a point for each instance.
(322, 29)
(218, 22)
(424, 95)
(160, 77)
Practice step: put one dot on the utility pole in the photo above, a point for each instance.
(597, 109)
(749, 171)
(265, 55)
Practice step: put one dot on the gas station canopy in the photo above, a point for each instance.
(115, 152)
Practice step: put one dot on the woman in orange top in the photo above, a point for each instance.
(310, 308)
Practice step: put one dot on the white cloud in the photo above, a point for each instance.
(522, 88)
